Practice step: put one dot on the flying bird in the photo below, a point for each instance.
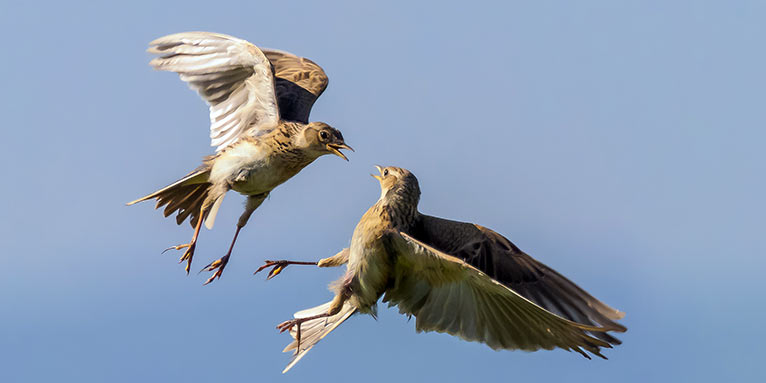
(453, 277)
(260, 102)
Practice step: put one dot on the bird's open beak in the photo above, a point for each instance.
(380, 170)
(334, 149)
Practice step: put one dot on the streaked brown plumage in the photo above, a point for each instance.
(454, 277)
(258, 123)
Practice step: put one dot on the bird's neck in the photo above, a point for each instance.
(293, 132)
(400, 208)
(292, 129)
(288, 141)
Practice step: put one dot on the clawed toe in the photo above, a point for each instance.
(218, 265)
(278, 266)
(287, 325)
(188, 254)
(176, 247)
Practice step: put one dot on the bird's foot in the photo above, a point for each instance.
(288, 325)
(188, 254)
(218, 265)
(278, 266)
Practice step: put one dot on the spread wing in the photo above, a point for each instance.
(299, 82)
(232, 75)
(501, 260)
(446, 294)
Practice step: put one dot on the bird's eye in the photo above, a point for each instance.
(385, 172)
(323, 135)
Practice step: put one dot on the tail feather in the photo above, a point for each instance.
(184, 196)
(182, 200)
(314, 330)
(193, 208)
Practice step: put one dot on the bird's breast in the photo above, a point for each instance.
(369, 263)
(255, 167)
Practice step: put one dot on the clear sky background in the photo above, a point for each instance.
(621, 143)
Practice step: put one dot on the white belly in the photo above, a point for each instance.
(249, 170)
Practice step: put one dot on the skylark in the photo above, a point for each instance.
(454, 277)
(260, 102)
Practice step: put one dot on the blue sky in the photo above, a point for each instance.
(619, 142)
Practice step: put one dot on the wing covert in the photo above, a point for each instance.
(299, 82)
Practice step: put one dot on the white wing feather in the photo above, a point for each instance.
(231, 74)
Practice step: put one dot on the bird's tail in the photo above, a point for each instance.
(314, 330)
(186, 197)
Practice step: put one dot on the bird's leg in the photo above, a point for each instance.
(189, 253)
(341, 258)
(335, 307)
(219, 264)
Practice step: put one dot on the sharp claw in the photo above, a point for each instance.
(212, 266)
(176, 247)
(216, 275)
(278, 267)
(275, 271)
(288, 325)
(218, 265)
(187, 256)
(267, 264)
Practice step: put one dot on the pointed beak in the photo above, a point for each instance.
(334, 149)
(380, 170)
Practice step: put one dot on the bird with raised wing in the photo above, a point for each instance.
(259, 102)
(453, 277)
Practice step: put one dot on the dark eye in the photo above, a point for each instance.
(385, 172)
(323, 135)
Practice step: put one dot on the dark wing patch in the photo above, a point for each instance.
(299, 82)
(500, 259)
